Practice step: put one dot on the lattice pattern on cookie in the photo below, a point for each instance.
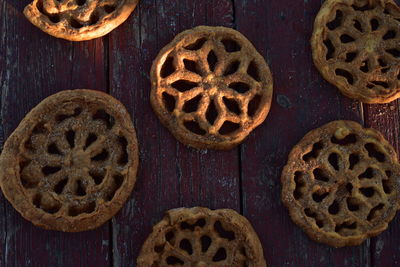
(212, 84)
(77, 13)
(345, 183)
(205, 239)
(73, 160)
(356, 47)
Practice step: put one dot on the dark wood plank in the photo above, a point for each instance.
(302, 101)
(37, 65)
(386, 118)
(171, 175)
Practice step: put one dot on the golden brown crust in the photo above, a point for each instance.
(210, 87)
(202, 237)
(79, 20)
(355, 47)
(341, 183)
(71, 163)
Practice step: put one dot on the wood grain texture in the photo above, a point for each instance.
(37, 65)
(302, 101)
(171, 175)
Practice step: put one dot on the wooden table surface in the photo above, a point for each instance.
(34, 65)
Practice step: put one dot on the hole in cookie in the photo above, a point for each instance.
(102, 115)
(240, 87)
(192, 105)
(37, 199)
(196, 45)
(348, 140)
(345, 225)
(117, 183)
(109, 9)
(334, 208)
(80, 2)
(314, 152)
(374, 24)
(383, 64)
(309, 213)
(336, 22)
(184, 85)
(364, 66)
(380, 83)
(191, 65)
(253, 105)
(212, 113)
(54, 18)
(70, 136)
(352, 204)
(229, 127)
(75, 24)
(231, 45)
(345, 74)
(252, 70)
(358, 26)
(169, 101)
(375, 212)
(59, 187)
(48, 170)
(220, 255)
(319, 196)
(168, 68)
(333, 159)
(350, 56)
(330, 49)
(349, 188)
(187, 226)
(28, 182)
(98, 176)
(390, 34)
(80, 190)
(205, 243)
(87, 208)
(232, 105)
(53, 149)
(186, 246)
(39, 129)
(94, 18)
(103, 155)
(62, 117)
(222, 232)
(353, 160)
(373, 152)
(169, 236)
(367, 191)
(369, 173)
(232, 68)
(159, 249)
(172, 260)
(387, 186)
(46, 207)
(298, 179)
(394, 52)
(123, 159)
(388, 173)
(344, 38)
(212, 60)
(362, 8)
(194, 127)
(90, 140)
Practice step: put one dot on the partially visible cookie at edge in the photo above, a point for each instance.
(79, 20)
(341, 183)
(210, 87)
(355, 47)
(71, 163)
(202, 237)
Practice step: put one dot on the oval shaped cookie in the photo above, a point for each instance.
(202, 237)
(341, 183)
(355, 47)
(78, 20)
(71, 163)
(210, 87)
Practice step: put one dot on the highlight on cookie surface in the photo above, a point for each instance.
(341, 183)
(78, 20)
(202, 237)
(356, 47)
(71, 163)
(210, 87)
